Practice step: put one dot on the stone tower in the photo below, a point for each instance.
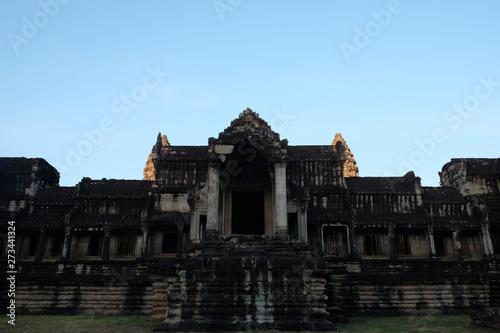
(149, 169)
(350, 166)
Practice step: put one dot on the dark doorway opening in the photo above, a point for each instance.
(248, 213)
(94, 247)
(293, 226)
(169, 242)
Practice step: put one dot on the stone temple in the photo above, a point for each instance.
(250, 233)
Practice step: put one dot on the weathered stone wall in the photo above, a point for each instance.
(245, 291)
(375, 287)
(113, 288)
(262, 286)
(90, 299)
(237, 290)
(472, 176)
(398, 298)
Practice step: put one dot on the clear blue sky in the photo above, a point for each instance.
(409, 84)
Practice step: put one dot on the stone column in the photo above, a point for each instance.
(393, 243)
(213, 199)
(457, 245)
(180, 239)
(351, 236)
(302, 221)
(67, 242)
(194, 221)
(304, 204)
(41, 246)
(280, 198)
(432, 244)
(105, 246)
(145, 239)
(486, 238)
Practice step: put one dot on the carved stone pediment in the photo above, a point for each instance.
(250, 128)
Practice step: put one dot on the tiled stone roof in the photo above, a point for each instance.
(16, 165)
(184, 153)
(483, 166)
(327, 215)
(434, 195)
(114, 189)
(391, 218)
(313, 153)
(403, 184)
(113, 220)
(448, 222)
(37, 221)
(64, 195)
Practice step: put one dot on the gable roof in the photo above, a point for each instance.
(250, 122)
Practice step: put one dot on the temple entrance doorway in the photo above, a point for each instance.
(247, 192)
(248, 216)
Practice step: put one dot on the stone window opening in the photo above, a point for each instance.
(54, 245)
(466, 246)
(443, 243)
(125, 245)
(440, 246)
(87, 244)
(373, 245)
(470, 244)
(411, 243)
(335, 240)
(403, 244)
(27, 245)
(33, 241)
(164, 240)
